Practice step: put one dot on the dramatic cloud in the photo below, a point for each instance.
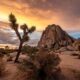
(8, 36)
(43, 12)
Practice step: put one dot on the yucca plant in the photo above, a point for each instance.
(44, 66)
(26, 30)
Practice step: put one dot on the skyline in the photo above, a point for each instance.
(41, 13)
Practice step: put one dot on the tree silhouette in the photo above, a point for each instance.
(22, 38)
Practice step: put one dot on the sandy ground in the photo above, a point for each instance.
(68, 61)
(68, 64)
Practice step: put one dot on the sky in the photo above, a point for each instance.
(41, 13)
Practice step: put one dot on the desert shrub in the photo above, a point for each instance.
(2, 51)
(31, 51)
(7, 51)
(2, 65)
(44, 66)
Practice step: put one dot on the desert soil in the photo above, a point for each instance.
(68, 65)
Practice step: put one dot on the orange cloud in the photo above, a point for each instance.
(41, 12)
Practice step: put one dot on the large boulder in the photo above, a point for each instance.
(54, 37)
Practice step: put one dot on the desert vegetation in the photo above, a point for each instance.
(44, 66)
(26, 31)
(29, 50)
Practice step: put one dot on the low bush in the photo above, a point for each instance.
(31, 51)
(44, 66)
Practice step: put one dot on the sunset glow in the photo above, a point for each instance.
(41, 13)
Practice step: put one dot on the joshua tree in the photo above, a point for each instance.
(26, 31)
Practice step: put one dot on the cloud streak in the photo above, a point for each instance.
(43, 12)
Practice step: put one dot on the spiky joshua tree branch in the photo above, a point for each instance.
(24, 37)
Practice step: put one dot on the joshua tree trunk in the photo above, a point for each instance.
(19, 51)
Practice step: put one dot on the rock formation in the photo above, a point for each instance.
(54, 37)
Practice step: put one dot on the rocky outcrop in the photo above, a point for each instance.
(54, 37)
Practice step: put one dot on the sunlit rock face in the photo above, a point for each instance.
(54, 37)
